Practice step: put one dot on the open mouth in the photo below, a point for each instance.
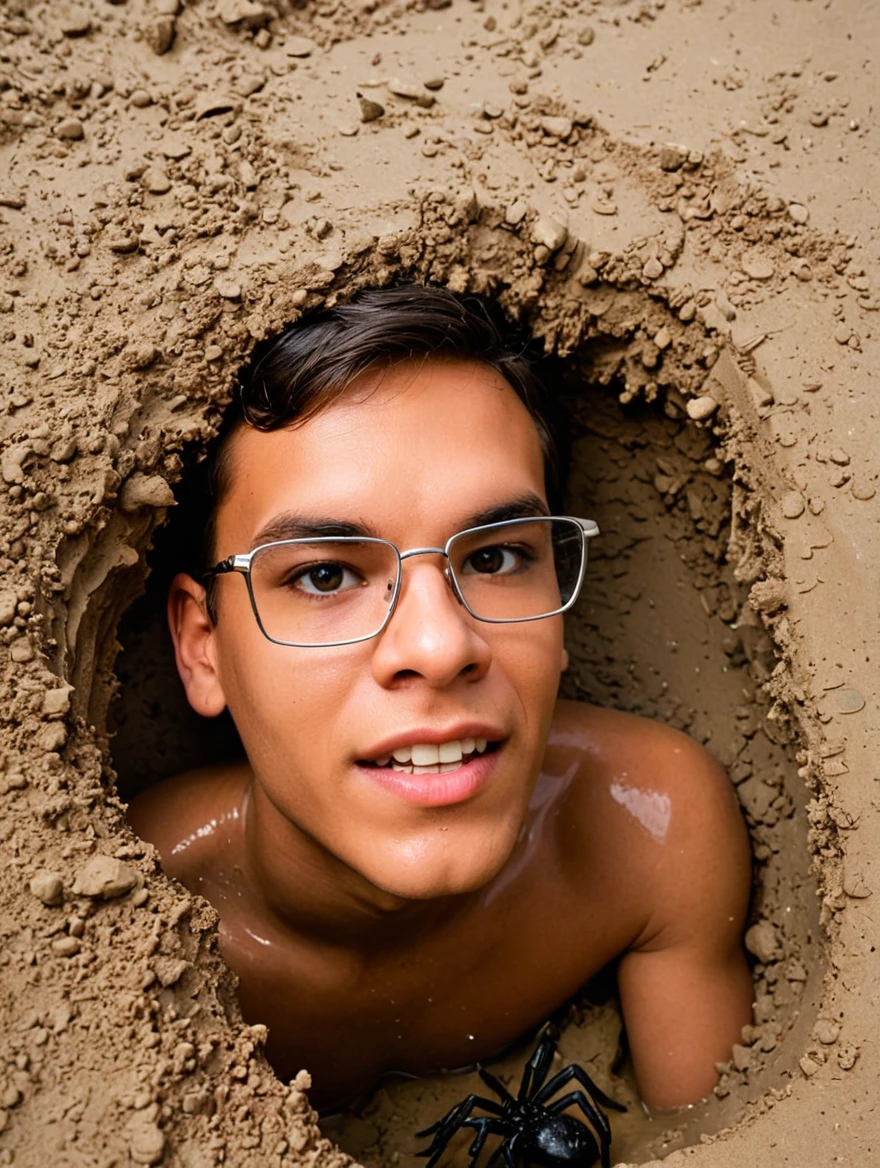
(433, 758)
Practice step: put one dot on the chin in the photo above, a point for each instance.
(429, 877)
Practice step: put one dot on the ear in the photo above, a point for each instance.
(565, 661)
(192, 632)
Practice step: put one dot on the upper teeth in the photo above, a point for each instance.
(431, 753)
(430, 756)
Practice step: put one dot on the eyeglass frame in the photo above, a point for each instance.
(242, 563)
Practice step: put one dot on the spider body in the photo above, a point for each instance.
(533, 1128)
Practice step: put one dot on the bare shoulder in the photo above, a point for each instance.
(620, 750)
(189, 816)
(654, 806)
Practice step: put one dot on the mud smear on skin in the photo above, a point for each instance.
(177, 182)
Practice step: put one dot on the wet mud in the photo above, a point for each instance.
(691, 228)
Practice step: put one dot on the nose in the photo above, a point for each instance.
(430, 635)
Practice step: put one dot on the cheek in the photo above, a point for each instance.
(281, 697)
(532, 662)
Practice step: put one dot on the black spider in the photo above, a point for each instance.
(534, 1131)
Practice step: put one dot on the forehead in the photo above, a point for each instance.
(426, 441)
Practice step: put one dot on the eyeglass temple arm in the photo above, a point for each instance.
(230, 564)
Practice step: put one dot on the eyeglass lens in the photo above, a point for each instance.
(320, 593)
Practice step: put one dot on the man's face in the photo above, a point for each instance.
(411, 455)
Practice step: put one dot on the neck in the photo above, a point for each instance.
(308, 890)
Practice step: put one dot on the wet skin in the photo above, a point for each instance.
(373, 933)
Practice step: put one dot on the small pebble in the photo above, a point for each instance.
(515, 213)
(557, 127)
(156, 180)
(371, 110)
(549, 233)
(700, 408)
(105, 877)
(47, 887)
(826, 1031)
(760, 940)
(70, 129)
(793, 505)
(66, 946)
(250, 84)
(434, 83)
(847, 1056)
(228, 289)
(842, 333)
(147, 1144)
(809, 1066)
(862, 490)
(798, 213)
(299, 46)
(75, 23)
(758, 267)
(412, 90)
(160, 33)
(653, 269)
(140, 99)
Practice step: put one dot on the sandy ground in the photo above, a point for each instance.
(681, 200)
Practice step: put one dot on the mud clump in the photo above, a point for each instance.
(177, 181)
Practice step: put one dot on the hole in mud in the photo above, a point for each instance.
(662, 629)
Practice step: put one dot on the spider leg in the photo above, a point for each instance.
(497, 1086)
(460, 1112)
(486, 1126)
(580, 1075)
(505, 1151)
(535, 1070)
(593, 1114)
(444, 1129)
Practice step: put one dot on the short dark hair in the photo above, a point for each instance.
(301, 370)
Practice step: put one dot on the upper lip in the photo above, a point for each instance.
(433, 735)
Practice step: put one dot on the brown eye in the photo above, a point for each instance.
(326, 578)
(487, 560)
(494, 561)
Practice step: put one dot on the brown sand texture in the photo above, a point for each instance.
(680, 200)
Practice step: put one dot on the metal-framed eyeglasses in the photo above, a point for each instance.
(329, 591)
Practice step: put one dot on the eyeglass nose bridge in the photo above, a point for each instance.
(436, 551)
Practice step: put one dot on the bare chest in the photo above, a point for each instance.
(451, 998)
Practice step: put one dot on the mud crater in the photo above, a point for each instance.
(664, 628)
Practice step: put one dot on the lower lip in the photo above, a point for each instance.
(436, 790)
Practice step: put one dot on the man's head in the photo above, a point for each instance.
(296, 374)
(404, 414)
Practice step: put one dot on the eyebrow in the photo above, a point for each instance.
(527, 506)
(289, 525)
